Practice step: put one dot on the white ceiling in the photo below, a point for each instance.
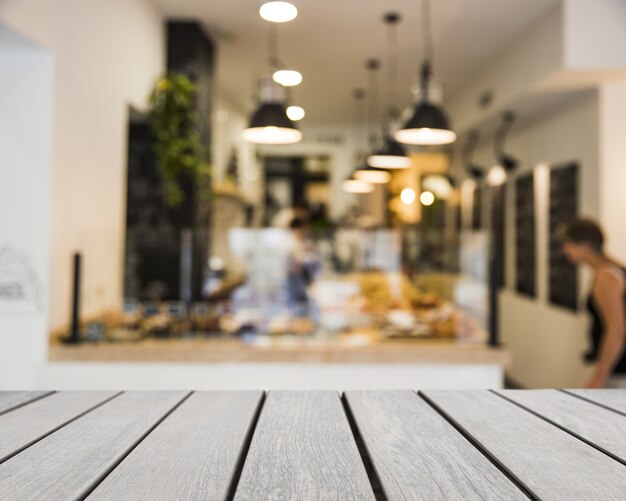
(330, 40)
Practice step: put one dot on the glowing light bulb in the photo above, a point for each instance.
(278, 12)
(427, 198)
(295, 113)
(287, 78)
(407, 196)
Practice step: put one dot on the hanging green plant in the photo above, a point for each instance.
(179, 152)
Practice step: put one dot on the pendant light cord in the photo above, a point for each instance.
(427, 30)
(372, 66)
(392, 19)
(359, 113)
(273, 46)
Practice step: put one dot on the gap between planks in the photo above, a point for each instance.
(62, 425)
(100, 479)
(244, 450)
(563, 428)
(483, 450)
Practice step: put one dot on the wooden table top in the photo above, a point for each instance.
(290, 445)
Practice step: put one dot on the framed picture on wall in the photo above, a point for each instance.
(562, 277)
(525, 238)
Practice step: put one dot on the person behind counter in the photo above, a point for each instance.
(583, 244)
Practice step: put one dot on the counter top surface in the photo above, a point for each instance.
(313, 445)
(344, 349)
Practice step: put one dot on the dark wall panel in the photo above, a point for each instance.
(525, 238)
(563, 278)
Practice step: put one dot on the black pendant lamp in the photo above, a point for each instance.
(429, 124)
(366, 172)
(270, 124)
(392, 154)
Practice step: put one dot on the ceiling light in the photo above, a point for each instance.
(429, 124)
(295, 113)
(496, 176)
(370, 175)
(427, 198)
(407, 196)
(269, 123)
(356, 186)
(278, 12)
(288, 78)
(390, 156)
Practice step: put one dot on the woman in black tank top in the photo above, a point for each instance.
(583, 244)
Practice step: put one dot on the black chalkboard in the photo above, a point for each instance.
(563, 278)
(525, 250)
(498, 218)
(477, 206)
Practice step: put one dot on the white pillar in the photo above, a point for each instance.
(25, 151)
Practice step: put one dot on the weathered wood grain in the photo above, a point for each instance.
(417, 454)
(71, 461)
(192, 455)
(11, 399)
(303, 449)
(612, 399)
(25, 425)
(601, 427)
(550, 462)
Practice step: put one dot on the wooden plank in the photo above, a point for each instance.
(548, 461)
(193, 454)
(612, 399)
(72, 461)
(417, 454)
(601, 427)
(26, 425)
(12, 399)
(303, 448)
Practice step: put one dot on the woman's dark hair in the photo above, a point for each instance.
(296, 223)
(582, 231)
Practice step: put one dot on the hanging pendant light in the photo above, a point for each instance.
(281, 73)
(499, 173)
(429, 124)
(392, 154)
(269, 123)
(372, 175)
(356, 186)
(366, 172)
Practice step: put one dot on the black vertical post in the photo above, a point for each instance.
(74, 334)
(494, 287)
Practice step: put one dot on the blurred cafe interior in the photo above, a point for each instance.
(304, 194)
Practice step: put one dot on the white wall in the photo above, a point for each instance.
(106, 56)
(25, 143)
(547, 342)
(612, 174)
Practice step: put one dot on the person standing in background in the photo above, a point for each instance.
(583, 244)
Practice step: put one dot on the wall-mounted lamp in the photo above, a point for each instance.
(506, 164)
(475, 171)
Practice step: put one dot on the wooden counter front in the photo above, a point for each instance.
(346, 349)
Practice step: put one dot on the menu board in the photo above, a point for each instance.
(498, 204)
(563, 279)
(477, 205)
(525, 251)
